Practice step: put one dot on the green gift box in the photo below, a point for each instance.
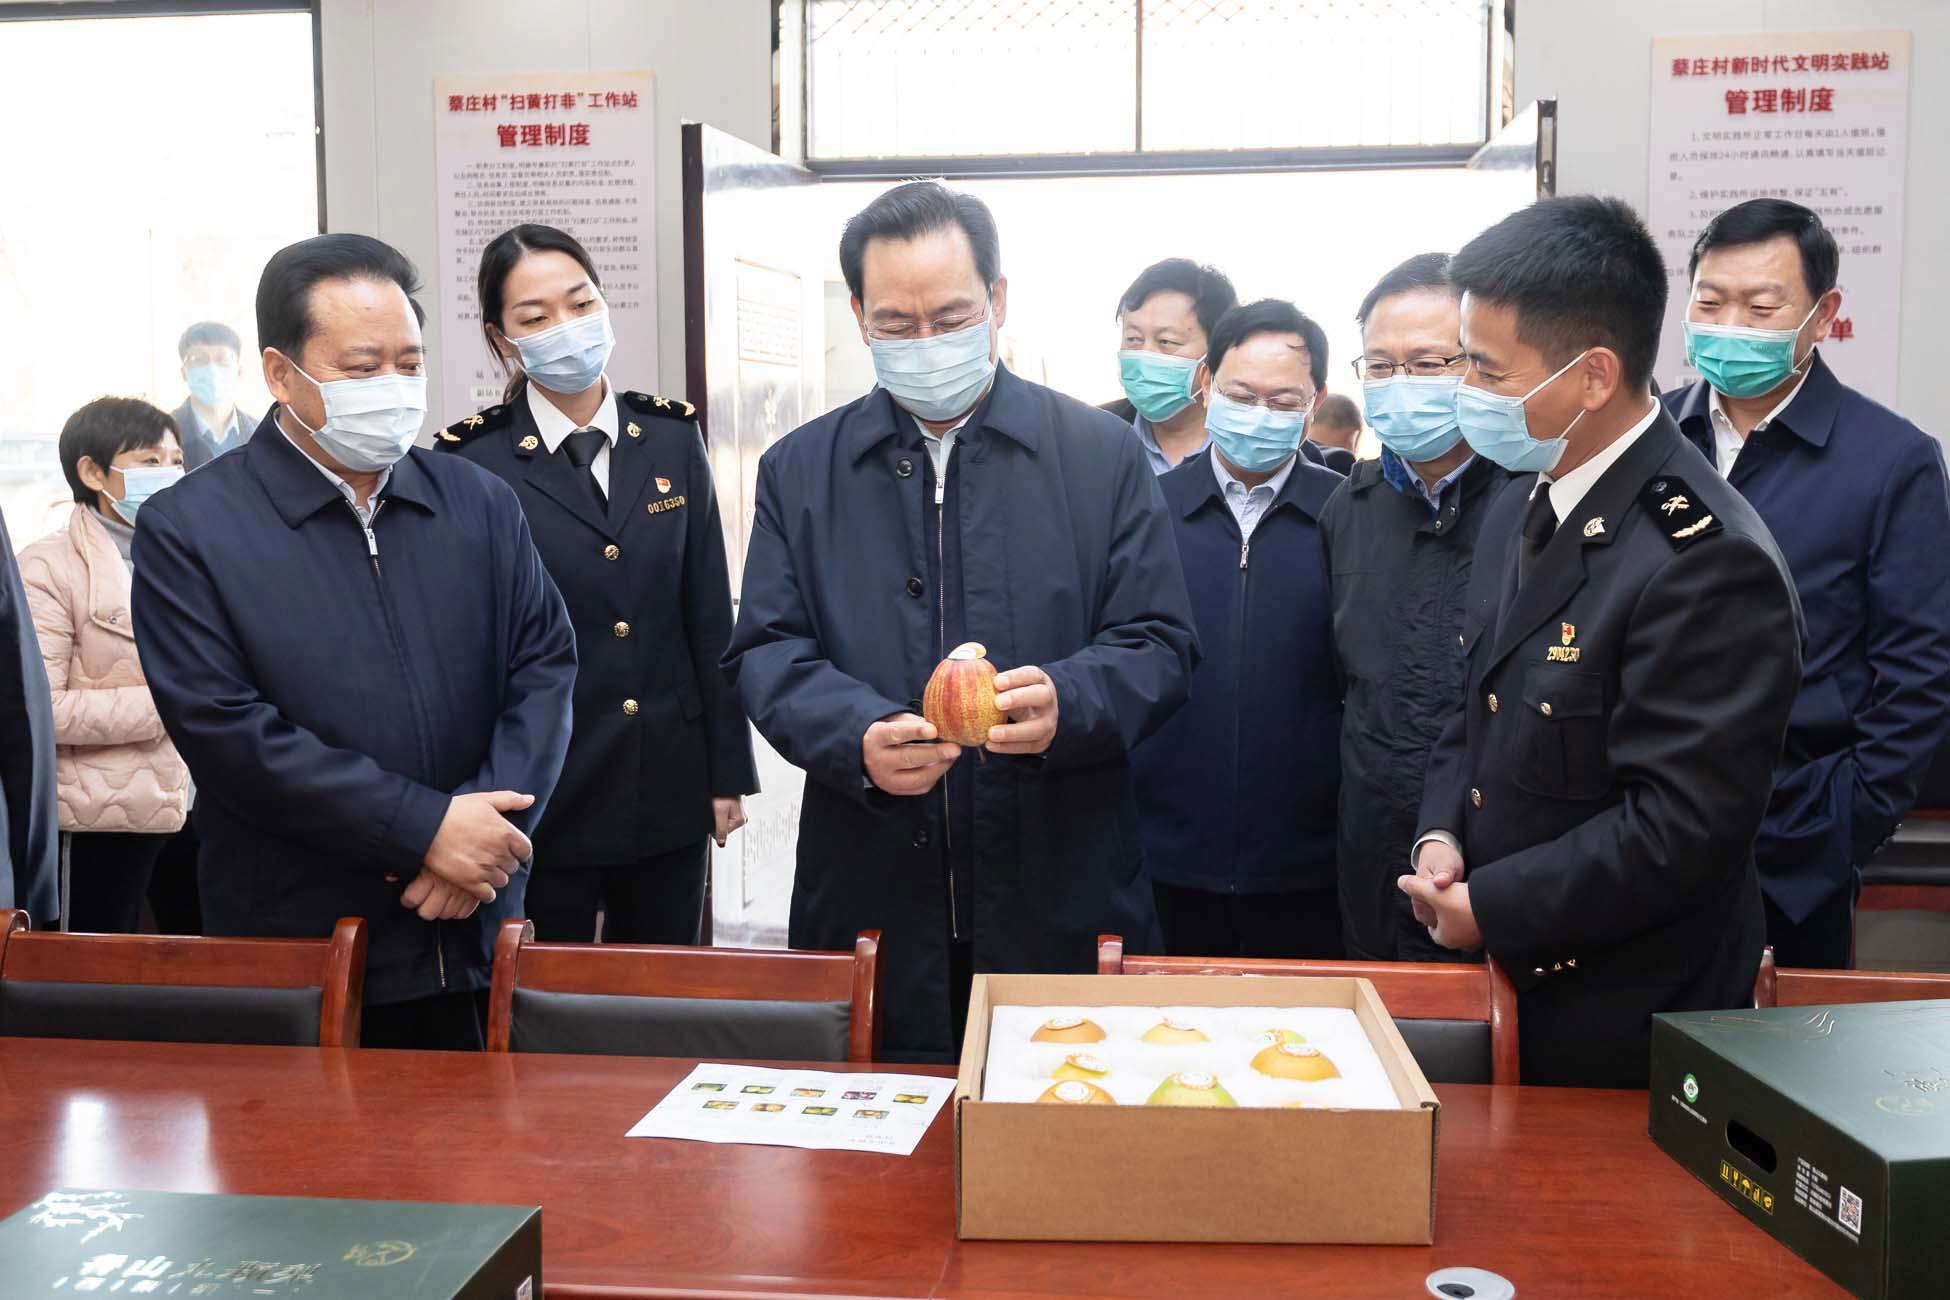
(115, 1243)
(1829, 1127)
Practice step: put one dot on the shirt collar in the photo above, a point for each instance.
(332, 476)
(1229, 482)
(555, 427)
(1717, 411)
(1149, 437)
(1569, 489)
(1398, 474)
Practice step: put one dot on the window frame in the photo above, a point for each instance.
(29, 11)
(1499, 20)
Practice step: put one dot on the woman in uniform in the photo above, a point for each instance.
(619, 498)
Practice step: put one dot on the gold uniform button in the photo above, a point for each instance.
(621, 629)
(1476, 797)
(1539, 971)
(612, 551)
(1545, 708)
(1492, 701)
(630, 707)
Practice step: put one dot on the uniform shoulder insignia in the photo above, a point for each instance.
(669, 406)
(1681, 516)
(458, 435)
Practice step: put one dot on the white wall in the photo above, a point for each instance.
(712, 61)
(1595, 58)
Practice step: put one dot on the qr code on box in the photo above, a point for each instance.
(1851, 1211)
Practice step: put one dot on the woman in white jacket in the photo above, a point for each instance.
(123, 789)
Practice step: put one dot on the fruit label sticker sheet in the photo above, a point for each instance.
(1184, 1056)
(799, 1108)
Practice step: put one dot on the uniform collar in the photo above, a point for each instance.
(1809, 413)
(1010, 409)
(554, 428)
(1569, 490)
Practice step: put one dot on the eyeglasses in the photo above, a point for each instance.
(906, 329)
(1283, 403)
(1378, 368)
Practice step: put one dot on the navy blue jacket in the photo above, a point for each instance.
(29, 826)
(329, 703)
(1237, 793)
(1066, 561)
(1856, 498)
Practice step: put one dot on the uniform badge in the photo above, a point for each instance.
(531, 442)
(663, 403)
(1673, 505)
(633, 430)
(444, 436)
(1679, 517)
(474, 421)
(1593, 527)
(1565, 652)
(663, 486)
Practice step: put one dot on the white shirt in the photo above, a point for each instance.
(1249, 505)
(1567, 493)
(555, 428)
(1727, 441)
(940, 447)
(1567, 490)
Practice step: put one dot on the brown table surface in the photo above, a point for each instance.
(1559, 1191)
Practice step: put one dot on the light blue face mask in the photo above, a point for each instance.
(1158, 384)
(940, 377)
(213, 386)
(570, 357)
(139, 483)
(1414, 415)
(1253, 438)
(1743, 362)
(1498, 430)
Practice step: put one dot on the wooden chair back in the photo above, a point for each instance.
(335, 966)
(645, 970)
(1411, 990)
(1795, 987)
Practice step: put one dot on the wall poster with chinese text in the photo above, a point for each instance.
(572, 150)
(1820, 118)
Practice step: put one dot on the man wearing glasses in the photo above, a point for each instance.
(1236, 794)
(1399, 541)
(958, 503)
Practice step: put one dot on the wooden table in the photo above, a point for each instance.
(1559, 1191)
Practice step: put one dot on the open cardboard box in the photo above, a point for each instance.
(1026, 1172)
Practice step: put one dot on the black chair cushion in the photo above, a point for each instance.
(160, 1013)
(601, 1024)
(1449, 1051)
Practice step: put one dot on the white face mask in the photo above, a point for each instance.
(369, 423)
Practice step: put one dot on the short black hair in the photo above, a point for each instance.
(1211, 292)
(1268, 316)
(1579, 272)
(1337, 412)
(103, 430)
(1424, 271)
(1759, 220)
(915, 209)
(284, 318)
(209, 334)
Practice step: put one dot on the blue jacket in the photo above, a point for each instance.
(1065, 561)
(330, 702)
(1856, 498)
(1237, 793)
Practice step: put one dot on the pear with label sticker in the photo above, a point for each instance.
(960, 698)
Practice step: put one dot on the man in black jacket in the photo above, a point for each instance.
(1400, 538)
(1633, 650)
(29, 838)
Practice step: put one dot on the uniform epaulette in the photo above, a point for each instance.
(670, 406)
(1671, 503)
(456, 436)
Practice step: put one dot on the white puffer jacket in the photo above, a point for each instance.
(115, 768)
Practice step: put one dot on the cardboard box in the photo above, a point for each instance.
(187, 1245)
(1148, 1173)
(1827, 1126)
